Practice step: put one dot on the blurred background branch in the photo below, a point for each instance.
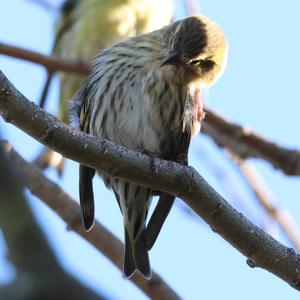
(191, 7)
(38, 273)
(51, 63)
(103, 240)
(245, 143)
(267, 200)
(45, 4)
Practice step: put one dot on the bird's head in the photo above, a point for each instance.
(199, 45)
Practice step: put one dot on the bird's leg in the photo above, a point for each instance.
(182, 159)
(153, 156)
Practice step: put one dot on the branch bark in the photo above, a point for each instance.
(238, 139)
(102, 239)
(49, 62)
(261, 249)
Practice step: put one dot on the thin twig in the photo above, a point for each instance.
(225, 180)
(261, 249)
(262, 193)
(103, 240)
(257, 184)
(47, 5)
(49, 62)
(191, 7)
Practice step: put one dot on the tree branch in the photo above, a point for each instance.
(46, 5)
(49, 62)
(256, 183)
(240, 140)
(191, 7)
(245, 143)
(102, 239)
(261, 249)
(39, 276)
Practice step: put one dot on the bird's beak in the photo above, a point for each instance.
(171, 59)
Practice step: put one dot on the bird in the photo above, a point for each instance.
(144, 93)
(81, 30)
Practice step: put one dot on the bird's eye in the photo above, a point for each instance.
(205, 64)
(195, 62)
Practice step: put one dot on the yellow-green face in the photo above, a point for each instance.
(200, 47)
(213, 59)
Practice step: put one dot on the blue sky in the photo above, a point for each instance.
(260, 88)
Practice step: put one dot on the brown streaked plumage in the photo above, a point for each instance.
(145, 94)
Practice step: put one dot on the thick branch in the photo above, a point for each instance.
(261, 249)
(54, 197)
(50, 62)
(245, 144)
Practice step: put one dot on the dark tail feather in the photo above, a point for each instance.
(86, 196)
(158, 218)
(136, 256)
(129, 265)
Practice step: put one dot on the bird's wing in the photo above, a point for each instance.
(166, 201)
(177, 151)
